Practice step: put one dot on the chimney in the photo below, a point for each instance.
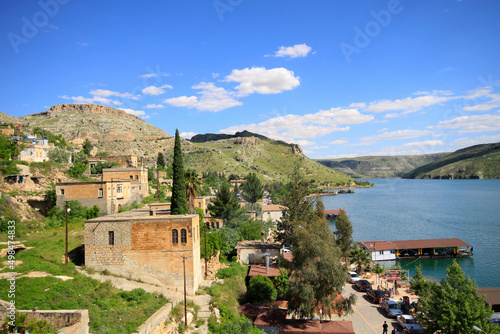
(267, 264)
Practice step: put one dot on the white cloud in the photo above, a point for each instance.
(212, 98)
(357, 105)
(466, 141)
(263, 81)
(493, 103)
(428, 143)
(408, 104)
(304, 143)
(154, 106)
(382, 130)
(135, 112)
(215, 75)
(108, 93)
(318, 147)
(146, 117)
(95, 99)
(290, 127)
(446, 69)
(470, 124)
(148, 75)
(338, 142)
(339, 156)
(187, 135)
(298, 50)
(82, 44)
(154, 90)
(399, 134)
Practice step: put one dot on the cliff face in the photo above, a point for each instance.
(82, 108)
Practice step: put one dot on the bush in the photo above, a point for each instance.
(59, 155)
(261, 290)
(233, 270)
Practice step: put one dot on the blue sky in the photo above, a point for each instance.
(340, 78)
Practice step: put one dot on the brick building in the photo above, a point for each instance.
(138, 178)
(146, 245)
(126, 161)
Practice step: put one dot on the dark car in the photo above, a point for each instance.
(377, 296)
(391, 308)
(363, 285)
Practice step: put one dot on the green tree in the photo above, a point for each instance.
(97, 169)
(343, 233)
(193, 185)
(419, 284)
(179, 204)
(454, 306)
(225, 204)
(298, 208)
(252, 189)
(282, 282)
(360, 257)
(378, 269)
(77, 170)
(261, 290)
(7, 148)
(87, 147)
(51, 198)
(59, 155)
(160, 161)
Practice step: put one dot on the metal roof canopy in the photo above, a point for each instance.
(414, 244)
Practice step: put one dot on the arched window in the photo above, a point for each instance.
(175, 236)
(217, 225)
(183, 236)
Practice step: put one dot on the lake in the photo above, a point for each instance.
(401, 209)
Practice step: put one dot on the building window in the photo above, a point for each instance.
(393, 251)
(111, 237)
(100, 193)
(381, 252)
(137, 177)
(183, 236)
(134, 189)
(119, 188)
(62, 192)
(175, 236)
(217, 225)
(131, 177)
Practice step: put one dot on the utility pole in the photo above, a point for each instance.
(66, 257)
(205, 233)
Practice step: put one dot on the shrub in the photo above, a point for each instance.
(261, 290)
(233, 270)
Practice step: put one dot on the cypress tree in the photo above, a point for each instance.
(179, 204)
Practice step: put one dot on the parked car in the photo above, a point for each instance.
(363, 285)
(377, 296)
(391, 308)
(409, 322)
(354, 277)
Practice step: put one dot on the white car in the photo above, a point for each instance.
(409, 322)
(354, 277)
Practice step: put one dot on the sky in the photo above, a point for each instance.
(339, 78)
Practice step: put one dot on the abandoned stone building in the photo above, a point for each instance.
(146, 245)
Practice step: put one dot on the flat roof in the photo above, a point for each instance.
(274, 207)
(491, 295)
(331, 212)
(257, 244)
(137, 214)
(414, 244)
(260, 269)
(316, 326)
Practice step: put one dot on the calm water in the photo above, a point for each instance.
(397, 209)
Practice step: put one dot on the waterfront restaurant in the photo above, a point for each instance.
(392, 250)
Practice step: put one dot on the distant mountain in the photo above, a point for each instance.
(380, 166)
(475, 162)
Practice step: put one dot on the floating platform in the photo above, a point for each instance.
(424, 248)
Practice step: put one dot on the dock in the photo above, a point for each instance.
(424, 248)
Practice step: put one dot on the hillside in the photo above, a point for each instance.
(115, 132)
(475, 162)
(380, 166)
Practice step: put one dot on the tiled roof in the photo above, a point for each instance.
(491, 295)
(274, 207)
(260, 269)
(317, 327)
(414, 244)
(271, 317)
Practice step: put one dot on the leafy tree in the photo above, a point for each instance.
(193, 184)
(76, 170)
(101, 154)
(179, 204)
(282, 282)
(378, 269)
(7, 148)
(59, 155)
(261, 290)
(93, 212)
(97, 169)
(229, 237)
(419, 284)
(360, 257)
(233, 176)
(80, 157)
(51, 197)
(252, 189)
(213, 241)
(151, 174)
(454, 306)
(87, 147)
(298, 208)
(225, 204)
(343, 233)
(160, 161)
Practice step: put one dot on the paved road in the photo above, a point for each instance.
(367, 317)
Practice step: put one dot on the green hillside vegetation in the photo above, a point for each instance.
(272, 160)
(475, 162)
(380, 166)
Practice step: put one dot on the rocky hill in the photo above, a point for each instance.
(475, 162)
(99, 124)
(115, 132)
(380, 166)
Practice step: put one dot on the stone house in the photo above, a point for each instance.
(34, 153)
(273, 212)
(138, 178)
(109, 196)
(255, 251)
(146, 246)
(125, 161)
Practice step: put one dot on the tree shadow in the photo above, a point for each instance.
(77, 255)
